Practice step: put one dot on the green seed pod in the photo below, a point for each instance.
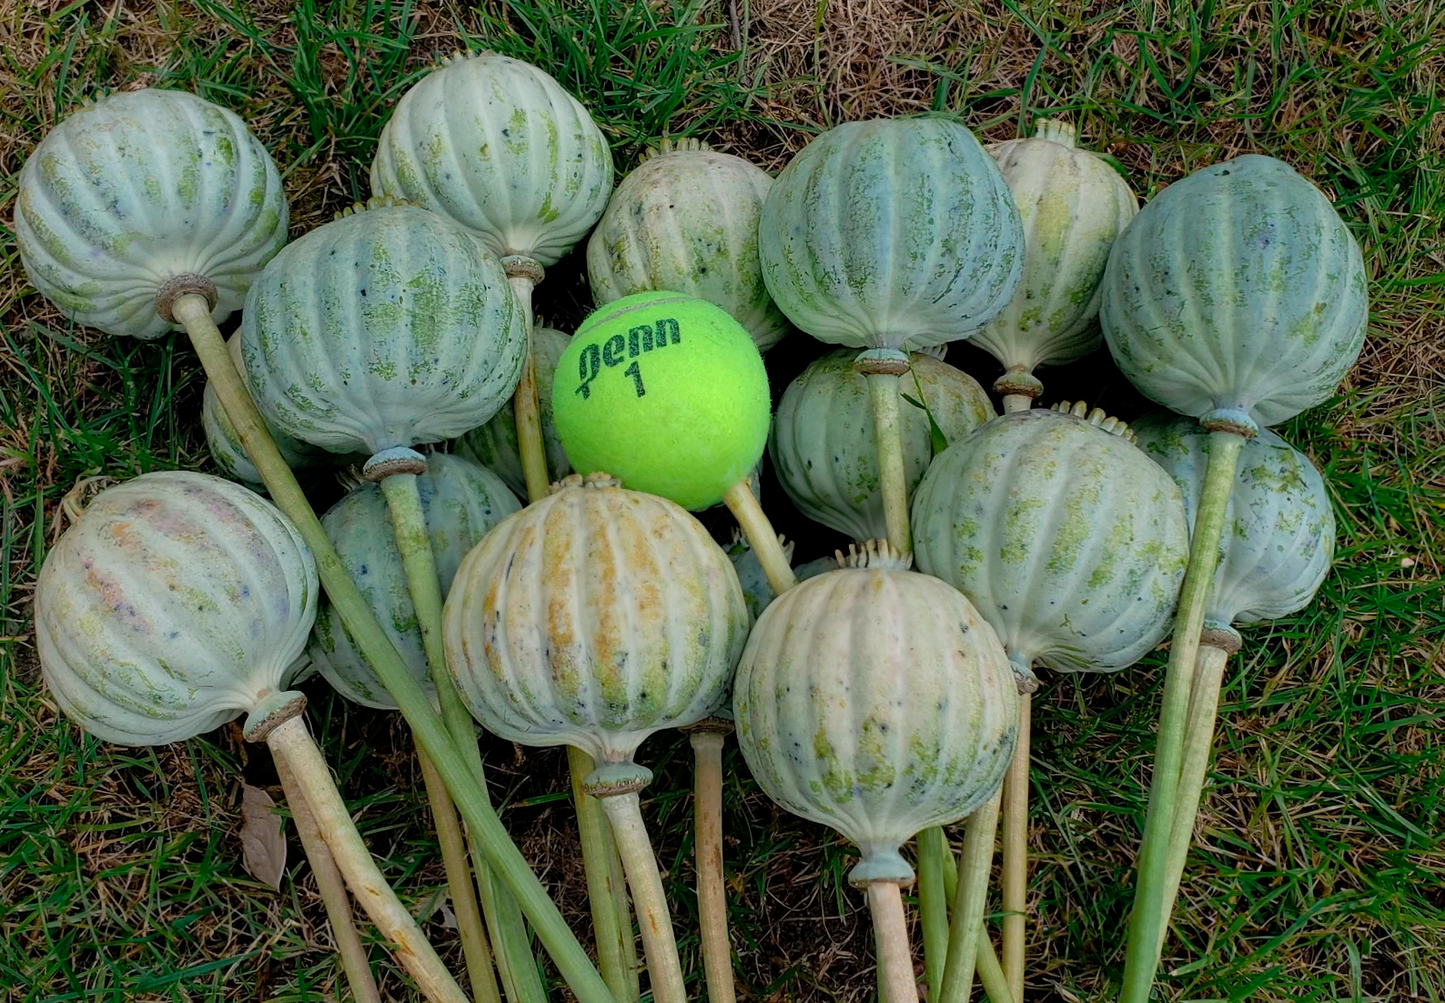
(390, 327)
(686, 221)
(1279, 532)
(497, 145)
(822, 441)
(1237, 295)
(176, 602)
(891, 233)
(877, 701)
(462, 502)
(1073, 206)
(140, 190)
(1066, 536)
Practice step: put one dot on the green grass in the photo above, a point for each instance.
(1320, 870)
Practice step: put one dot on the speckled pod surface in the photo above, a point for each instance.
(494, 445)
(593, 618)
(1073, 206)
(461, 501)
(1279, 528)
(686, 221)
(1237, 292)
(391, 326)
(225, 444)
(138, 188)
(1068, 538)
(174, 603)
(823, 443)
(876, 701)
(497, 145)
(891, 233)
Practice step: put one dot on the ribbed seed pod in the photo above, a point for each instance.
(139, 188)
(391, 326)
(462, 502)
(1073, 206)
(877, 701)
(494, 445)
(1279, 533)
(174, 603)
(1066, 536)
(225, 444)
(891, 233)
(595, 617)
(497, 145)
(686, 221)
(823, 444)
(1238, 293)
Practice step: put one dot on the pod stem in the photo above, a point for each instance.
(463, 893)
(974, 865)
(291, 743)
(761, 536)
(525, 407)
(1198, 743)
(606, 887)
(896, 980)
(664, 970)
(1014, 878)
(990, 972)
(934, 857)
(888, 437)
(717, 955)
(193, 312)
(513, 953)
(1150, 916)
(333, 892)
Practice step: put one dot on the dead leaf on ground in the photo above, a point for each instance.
(263, 837)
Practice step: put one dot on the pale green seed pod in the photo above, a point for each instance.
(686, 221)
(176, 602)
(1279, 526)
(877, 701)
(1073, 206)
(497, 145)
(462, 502)
(139, 190)
(390, 327)
(824, 447)
(1068, 539)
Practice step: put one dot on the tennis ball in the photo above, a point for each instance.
(665, 392)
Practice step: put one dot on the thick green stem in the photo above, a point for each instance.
(888, 437)
(525, 407)
(974, 865)
(193, 312)
(934, 857)
(332, 886)
(291, 743)
(664, 969)
(717, 954)
(897, 983)
(606, 887)
(761, 537)
(1016, 402)
(1141, 953)
(1198, 743)
(513, 952)
(1014, 879)
(463, 893)
(990, 972)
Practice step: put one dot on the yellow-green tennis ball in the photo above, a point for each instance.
(666, 393)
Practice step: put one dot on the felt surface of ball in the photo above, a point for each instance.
(665, 392)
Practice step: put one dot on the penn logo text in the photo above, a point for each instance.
(619, 348)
